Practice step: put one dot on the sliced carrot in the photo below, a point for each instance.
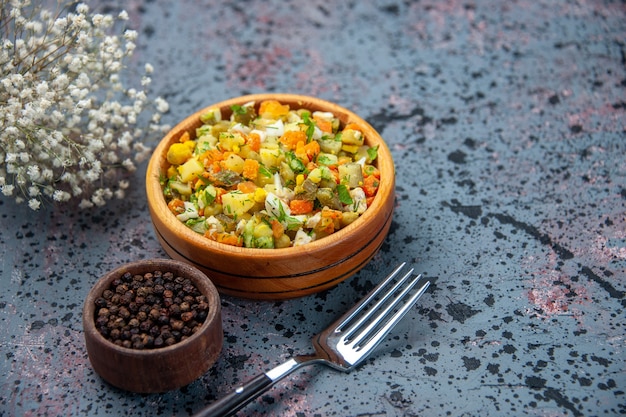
(307, 151)
(184, 137)
(312, 149)
(291, 138)
(211, 156)
(370, 185)
(331, 214)
(353, 126)
(325, 125)
(226, 238)
(247, 187)
(325, 226)
(254, 141)
(250, 169)
(176, 206)
(277, 229)
(273, 108)
(301, 206)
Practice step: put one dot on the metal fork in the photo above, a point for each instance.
(344, 344)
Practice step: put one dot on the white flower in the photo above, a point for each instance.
(85, 204)
(33, 172)
(7, 189)
(97, 19)
(59, 195)
(161, 105)
(34, 204)
(130, 35)
(82, 8)
(64, 72)
(128, 164)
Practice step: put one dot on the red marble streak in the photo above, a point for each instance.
(554, 293)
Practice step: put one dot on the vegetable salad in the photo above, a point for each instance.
(270, 176)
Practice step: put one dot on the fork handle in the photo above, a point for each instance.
(233, 402)
(230, 404)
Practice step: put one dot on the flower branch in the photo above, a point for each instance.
(69, 127)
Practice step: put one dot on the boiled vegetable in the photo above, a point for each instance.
(269, 176)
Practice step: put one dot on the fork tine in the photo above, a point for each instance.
(363, 303)
(372, 335)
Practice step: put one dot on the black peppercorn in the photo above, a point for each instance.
(174, 310)
(158, 342)
(145, 326)
(101, 302)
(150, 311)
(124, 312)
(121, 289)
(188, 316)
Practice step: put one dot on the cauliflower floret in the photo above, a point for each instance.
(190, 212)
(313, 220)
(302, 238)
(359, 201)
(214, 225)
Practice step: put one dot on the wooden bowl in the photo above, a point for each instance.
(160, 369)
(275, 273)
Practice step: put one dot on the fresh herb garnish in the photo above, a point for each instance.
(294, 162)
(372, 153)
(265, 172)
(344, 194)
(306, 118)
(237, 109)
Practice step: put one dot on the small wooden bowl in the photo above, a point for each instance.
(275, 273)
(162, 369)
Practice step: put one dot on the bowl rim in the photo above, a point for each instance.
(156, 199)
(89, 326)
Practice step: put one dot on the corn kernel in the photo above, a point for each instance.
(350, 148)
(178, 153)
(259, 195)
(299, 179)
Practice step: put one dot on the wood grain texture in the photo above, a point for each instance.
(155, 370)
(275, 273)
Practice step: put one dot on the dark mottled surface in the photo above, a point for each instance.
(507, 124)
